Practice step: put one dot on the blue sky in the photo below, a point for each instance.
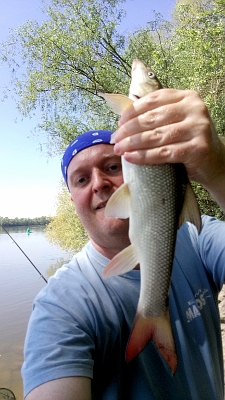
(29, 179)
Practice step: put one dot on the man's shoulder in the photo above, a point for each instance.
(210, 225)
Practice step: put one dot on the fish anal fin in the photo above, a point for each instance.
(157, 329)
(190, 211)
(118, 204)
(123, 262)
(117, 102)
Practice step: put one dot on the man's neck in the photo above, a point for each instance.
(109, 252)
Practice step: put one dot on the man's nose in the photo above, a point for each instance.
(100, 180)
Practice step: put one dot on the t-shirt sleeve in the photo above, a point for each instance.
(59, 341)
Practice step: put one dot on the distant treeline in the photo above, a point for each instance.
(24, 221)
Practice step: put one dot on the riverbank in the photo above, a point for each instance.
(13, 222)
(19, 284)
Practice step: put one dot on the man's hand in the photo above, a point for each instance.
(174, 126)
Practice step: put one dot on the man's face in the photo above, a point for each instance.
(93, 175)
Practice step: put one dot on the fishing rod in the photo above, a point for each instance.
(25, 255)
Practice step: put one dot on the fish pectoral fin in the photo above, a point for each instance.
(190, 211)
(118, 204)
(117, 102)
(123, 262)
(157, 329)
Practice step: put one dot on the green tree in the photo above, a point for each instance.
(199, 53)
(24, 221)
(65, 62)
(66, 229)
(189, 54)
(206, 203)
(78, 52)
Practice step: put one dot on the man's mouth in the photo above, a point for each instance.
(101, 205)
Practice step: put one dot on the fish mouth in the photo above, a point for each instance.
(137, 63)
(134, 97)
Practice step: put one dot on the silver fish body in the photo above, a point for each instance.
(157, 199)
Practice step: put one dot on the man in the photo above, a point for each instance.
(80, 325)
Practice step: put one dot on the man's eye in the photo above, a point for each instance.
(81, 180)
(114, 167)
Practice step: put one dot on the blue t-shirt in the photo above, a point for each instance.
(81, 323)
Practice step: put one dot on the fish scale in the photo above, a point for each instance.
(162, 211)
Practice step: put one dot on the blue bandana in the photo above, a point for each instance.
(81, 142)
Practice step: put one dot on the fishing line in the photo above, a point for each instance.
(25, 255)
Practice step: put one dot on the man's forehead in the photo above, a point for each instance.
(92, 154)
(81, 142)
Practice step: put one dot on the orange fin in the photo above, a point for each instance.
(157, 329)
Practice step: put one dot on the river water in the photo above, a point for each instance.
(19, 284)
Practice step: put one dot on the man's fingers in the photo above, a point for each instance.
(152, 101)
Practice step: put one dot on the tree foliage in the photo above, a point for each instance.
(67, 59)
(66, 229)
(199, 52)
(5, 221)
(77, 52)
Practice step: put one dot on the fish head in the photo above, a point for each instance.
(143, 80)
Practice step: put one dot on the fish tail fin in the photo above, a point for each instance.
(157, 329)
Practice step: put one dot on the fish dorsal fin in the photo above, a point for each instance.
(117, 102)
(190, 211)
(118, 204)
(123, 262)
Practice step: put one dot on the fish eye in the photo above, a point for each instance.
(151, 74)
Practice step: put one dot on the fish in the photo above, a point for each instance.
(157, 199)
